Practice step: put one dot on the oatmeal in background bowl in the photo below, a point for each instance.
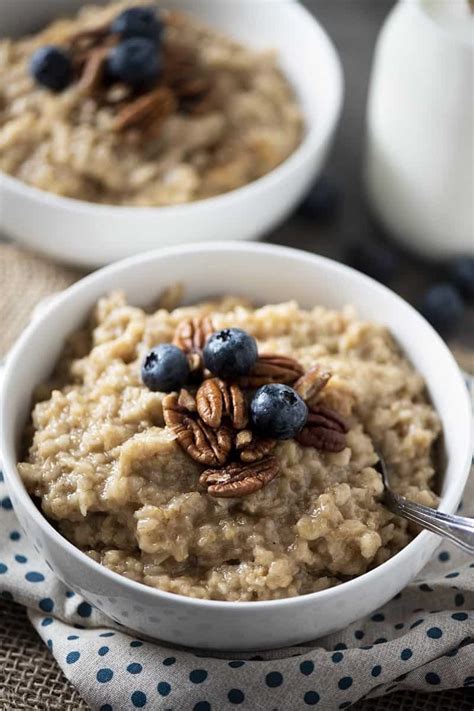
(227, 452)
(194, 116)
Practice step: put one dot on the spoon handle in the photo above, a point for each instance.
(459, 529)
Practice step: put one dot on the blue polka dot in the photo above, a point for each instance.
(21, 559)
(359, 634)
(432, 678)
(72, 657)
(235, 664)
(197, 676)
(273, 679)
(6, 503)
(73, 636)
(46, 604)
(163, 688)
(425, 588)
(103, 651)
(138, 699)
(236, 696)
(47, 621)
(306, 667)
(340, 645)
(444, 556)
(380, 640)
(134, 668)
(454, 574)
(406, 654)
(1, 476)
(6, 595)
(311, 698)
(367, 646)
(378, 617)
(106, 707)
(345, 682)
(415, 624)
(459, 600)
(107, 634)
(15, 536)
(345, 704)
(70, 593)
(460, 616)
(79, 627)
(169, 661)
(337, 657)
(377, 670)
(50, 643)
(399, 625)
(84, 609)
(136, 643)
(434, 632)
(104, 675)
(202, 706)
(3, 568)
(34, 577)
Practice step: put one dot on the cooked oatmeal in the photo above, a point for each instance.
(114, 480)
(241, 122)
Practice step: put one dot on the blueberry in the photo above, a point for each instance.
(230, 353)
(51, 67)
(135, 61)
(165, 368)
(138, 22)
(278, 411)
(322, 202)
(376, 260)
(461, 274)
(443, 307)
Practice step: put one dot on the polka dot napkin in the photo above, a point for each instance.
(422, 639)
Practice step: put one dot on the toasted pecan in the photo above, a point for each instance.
(271, 368)
(237, 480)
(146, 111)
(217, 400)
(205, 445)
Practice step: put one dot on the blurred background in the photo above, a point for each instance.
(334, 221)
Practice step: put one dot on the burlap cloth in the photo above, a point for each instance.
(30, 679)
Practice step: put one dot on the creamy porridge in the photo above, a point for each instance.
(116, 481)
(218, 116)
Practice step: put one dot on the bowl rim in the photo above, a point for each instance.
(10, 459)
(314, 138)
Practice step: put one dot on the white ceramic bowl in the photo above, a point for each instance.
(93, 235)
(265, 274)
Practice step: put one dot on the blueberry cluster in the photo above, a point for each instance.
(276, 410)
(136, 60)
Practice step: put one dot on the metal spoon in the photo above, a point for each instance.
(458, 529)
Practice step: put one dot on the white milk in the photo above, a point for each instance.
(420, 150)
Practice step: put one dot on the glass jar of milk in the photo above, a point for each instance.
(419, 160)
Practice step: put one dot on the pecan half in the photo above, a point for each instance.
(147, 111)
(253, 448)
(312, 382)
(236, 480)
(325, 430)
(191, 336)
(202, 443)
(217, 399)
(93, 71)
(272, 369)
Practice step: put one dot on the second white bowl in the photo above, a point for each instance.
(264, 274)
(92, 235)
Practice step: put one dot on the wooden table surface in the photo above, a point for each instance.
(353, 26)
